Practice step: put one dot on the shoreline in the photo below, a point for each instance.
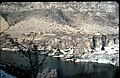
(9, 49)
(79, 60)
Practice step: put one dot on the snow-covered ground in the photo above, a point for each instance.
(3, 74)
(109, 56)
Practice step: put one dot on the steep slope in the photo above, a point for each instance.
(38, 25)
(3, 24)
(68, 17)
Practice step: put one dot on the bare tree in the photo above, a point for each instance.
(30, 51)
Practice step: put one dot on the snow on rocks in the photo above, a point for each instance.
(5, 75)
(109, 56)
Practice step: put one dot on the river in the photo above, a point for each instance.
(68, 69)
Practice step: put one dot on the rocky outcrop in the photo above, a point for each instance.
(82, 27)
(5, 75)
(86, 17)
(48, 74)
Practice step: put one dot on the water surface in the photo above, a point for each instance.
(66, 69)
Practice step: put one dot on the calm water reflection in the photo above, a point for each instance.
(81, 70)
(67, 69)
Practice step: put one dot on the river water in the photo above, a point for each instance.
(81, 70)
(69, 69)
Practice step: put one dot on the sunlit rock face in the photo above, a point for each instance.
(108, 10)
(64, 23)
(68, 6)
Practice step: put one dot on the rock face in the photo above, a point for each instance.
(111, 6)
(3, 24)
(87, 17)
(81, 25)
(48, 74)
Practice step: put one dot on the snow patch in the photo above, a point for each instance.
(3, 74)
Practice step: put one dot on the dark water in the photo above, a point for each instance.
(81, 70)
(68, 69)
